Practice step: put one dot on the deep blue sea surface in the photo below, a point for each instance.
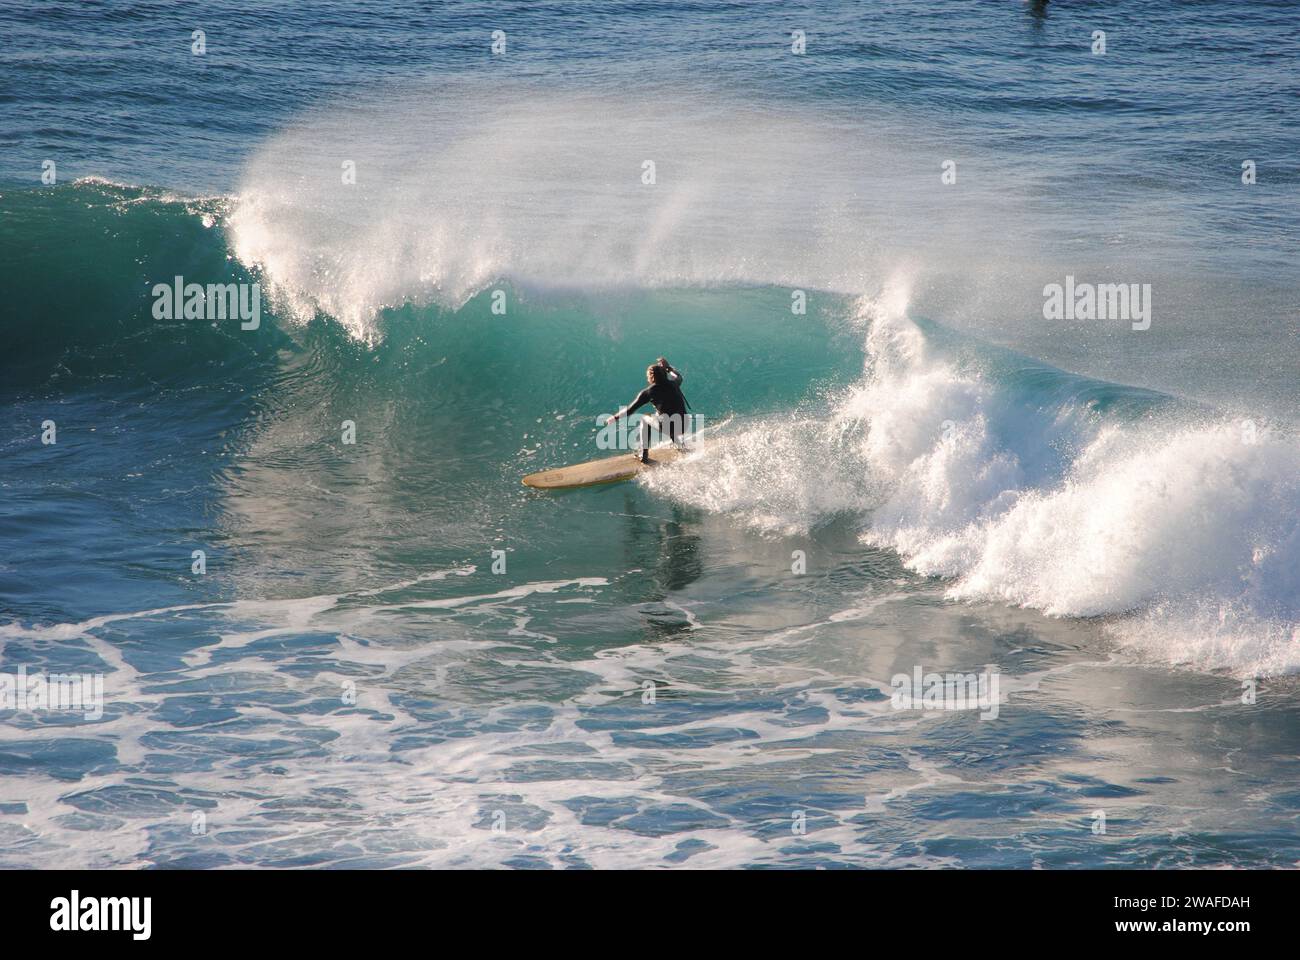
(388, 652)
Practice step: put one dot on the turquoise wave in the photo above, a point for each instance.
(79, 264)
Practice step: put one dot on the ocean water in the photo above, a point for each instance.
(396, 655)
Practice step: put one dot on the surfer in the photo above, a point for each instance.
(664, 393)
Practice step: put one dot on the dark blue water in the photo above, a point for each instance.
(394, 654)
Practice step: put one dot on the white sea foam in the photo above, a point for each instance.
(434, 799)
(1184, 528)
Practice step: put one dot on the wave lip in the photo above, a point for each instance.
(429, 194)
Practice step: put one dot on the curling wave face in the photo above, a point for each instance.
(1009, 479)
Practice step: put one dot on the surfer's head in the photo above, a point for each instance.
(655, 373)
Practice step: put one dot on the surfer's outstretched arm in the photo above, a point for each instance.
(640, 400)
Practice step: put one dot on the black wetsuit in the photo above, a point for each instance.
(667, 400)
